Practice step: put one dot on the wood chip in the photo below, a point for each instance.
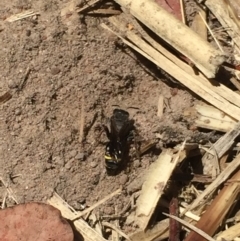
(155, 182)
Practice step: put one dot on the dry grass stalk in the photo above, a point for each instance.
(220, 10)
(87, 210)
(222, 145)
(115, 234)
(215, 86)
(22, 15)
(235, 82)
(109, 225)
(183, 11)
(230, 233)
(81, 226)
(159, 232)
(93, 218)
(218, 209)
(204, 235)
(233, 7)
(5, 97)
(160, 106)
(203, 55)
(105, 12)
(211, 118)
(209, 29)
(81, 127)
(9, 190)
(198, 25)
(216, 183)
(202, 87)
(88, 5)
(152, 189)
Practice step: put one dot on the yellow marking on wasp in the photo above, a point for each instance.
(108, 157)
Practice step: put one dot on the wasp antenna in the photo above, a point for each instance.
(133, 107)
(116, 106)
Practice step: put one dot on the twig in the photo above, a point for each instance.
(174, 226)
(88, 5)
(190, 226)
(9, 190)
(105, 12)
(4, 200)
(88, 233)
(22, 15)
(81, 128)
(115, 235)
(109, 225)
(209, 29)
(235, 82)
(182, 11)
(215, 184)
(5, 97)
(118, 191)
(24, 80)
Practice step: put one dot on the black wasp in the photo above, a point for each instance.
(120, 129)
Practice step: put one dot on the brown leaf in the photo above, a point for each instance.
(172, 6)
(34, 221)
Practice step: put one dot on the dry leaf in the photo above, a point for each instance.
(34, 222)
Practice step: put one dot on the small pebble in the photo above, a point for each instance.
(123, 179)
(109, 210)
(12, 84)
(81, 200)
(55, 71)
(80, 156)
(93, 164)
(136, 163)
(72, 153)
(76, 205)
(18, 111)
(28, 32)
(69, 164)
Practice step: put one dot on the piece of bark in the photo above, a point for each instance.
(153, 187)
(204, 56)
(35, 222)
(215, 213)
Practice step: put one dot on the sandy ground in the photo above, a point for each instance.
(73, 65)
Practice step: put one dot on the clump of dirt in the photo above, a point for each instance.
(71, 65)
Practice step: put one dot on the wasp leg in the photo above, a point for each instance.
(105, 128)
(137, 149)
